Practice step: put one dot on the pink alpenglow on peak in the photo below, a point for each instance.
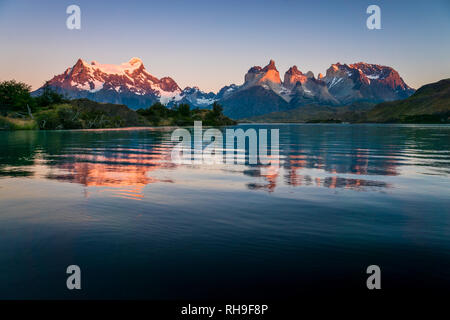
(270, 66)
(268, 75)
(127, 67)
(135, 61)
(292, 76)
(127, 83)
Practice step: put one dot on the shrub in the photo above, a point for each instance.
(59, 117)
(48, 96)
(17, 124)
(14, 96)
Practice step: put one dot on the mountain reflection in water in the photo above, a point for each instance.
(123, 162)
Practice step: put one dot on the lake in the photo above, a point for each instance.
(139, 226)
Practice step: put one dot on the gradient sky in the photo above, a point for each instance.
(210, 44)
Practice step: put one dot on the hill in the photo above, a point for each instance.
(430, 103)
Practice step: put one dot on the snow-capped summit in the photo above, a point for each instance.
(127, 83)
(195, 97)
(124, 68)
(135, 61)
(364, 81)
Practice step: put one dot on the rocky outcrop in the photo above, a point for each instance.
(293, 76)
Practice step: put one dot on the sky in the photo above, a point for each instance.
(211, 44)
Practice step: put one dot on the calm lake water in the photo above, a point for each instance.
(140, 226)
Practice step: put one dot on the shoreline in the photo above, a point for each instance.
(137, 128)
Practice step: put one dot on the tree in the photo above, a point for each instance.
(14, 96)
(48, 96)
(184, 110)
(217, 109)
(159, 109)
(154, 113)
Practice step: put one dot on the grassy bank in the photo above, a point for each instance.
(87, 114)
(7, 123)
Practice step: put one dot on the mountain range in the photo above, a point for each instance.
(262, 92)
(429, 104)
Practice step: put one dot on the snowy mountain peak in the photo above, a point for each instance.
(362, 80)
(122, 69)
(135, 61)
(81, 62)
(128, 83)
